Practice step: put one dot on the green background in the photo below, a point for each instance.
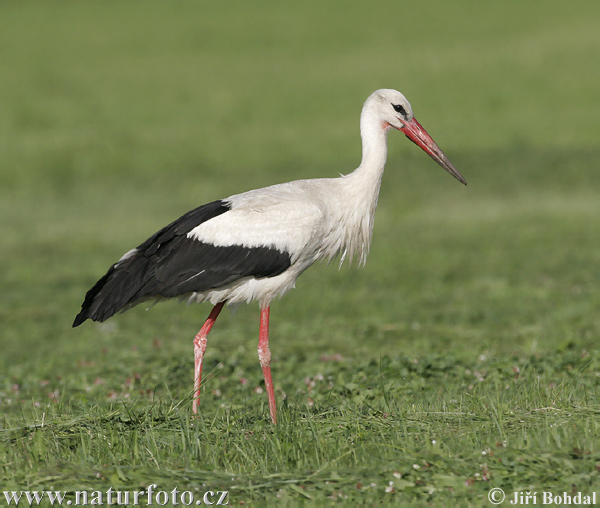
(463, 357)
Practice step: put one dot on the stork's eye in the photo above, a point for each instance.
(399, 109)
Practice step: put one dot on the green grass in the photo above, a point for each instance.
(463, 357)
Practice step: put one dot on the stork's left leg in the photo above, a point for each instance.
(264, 356)
(199, 349)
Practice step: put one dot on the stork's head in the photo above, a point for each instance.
(394, 110)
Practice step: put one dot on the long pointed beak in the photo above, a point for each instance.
(418, 135)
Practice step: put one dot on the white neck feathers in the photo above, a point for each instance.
(363, 184)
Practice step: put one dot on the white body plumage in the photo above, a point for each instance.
(311, 220)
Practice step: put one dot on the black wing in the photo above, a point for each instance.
(170, 264)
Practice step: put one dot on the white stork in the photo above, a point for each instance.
(254, 245)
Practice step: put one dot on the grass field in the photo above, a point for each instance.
(463, 357)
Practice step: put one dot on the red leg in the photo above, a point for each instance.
(199, 348)
(264, 355)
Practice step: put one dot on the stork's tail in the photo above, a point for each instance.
(113, 292)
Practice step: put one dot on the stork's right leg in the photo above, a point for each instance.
(199, 349)
(264, 355)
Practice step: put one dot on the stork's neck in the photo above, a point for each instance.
(374, 153)
(361, 188)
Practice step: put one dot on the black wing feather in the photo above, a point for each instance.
(170, 264)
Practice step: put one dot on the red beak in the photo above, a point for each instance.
(418, 135)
